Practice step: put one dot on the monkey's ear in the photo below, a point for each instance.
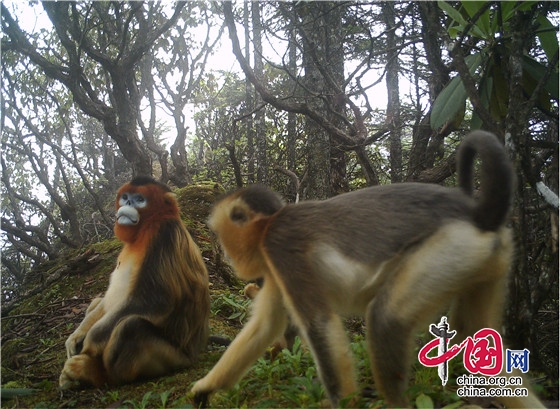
(239, 215)
(170, 198)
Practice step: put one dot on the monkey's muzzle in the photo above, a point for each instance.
(127, 215)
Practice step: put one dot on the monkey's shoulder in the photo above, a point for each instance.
(170, 232)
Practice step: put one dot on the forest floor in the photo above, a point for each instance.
(35, 328)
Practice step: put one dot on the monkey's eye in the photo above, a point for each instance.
(238, 215)
(124, 200)
(139, 201)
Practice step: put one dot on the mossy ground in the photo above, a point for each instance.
(34, 332)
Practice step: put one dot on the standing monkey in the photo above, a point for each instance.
(154, 316)
(396, 254)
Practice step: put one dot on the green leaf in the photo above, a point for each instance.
(424, 402)
(455, 15)
(452, 12)
(459, 19)
(507, 8)
(483, 22)
(10, 393)
(547, 36)
(450, 103)
(536, 70)
(499, 92)
(484, 92)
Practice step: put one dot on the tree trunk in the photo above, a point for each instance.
(318, 140)
(291, 126)
(393, 101)
(250, 101)
(423, 157)
(334, 62)
(260, 126)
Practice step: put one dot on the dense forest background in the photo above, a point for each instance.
(310, 98)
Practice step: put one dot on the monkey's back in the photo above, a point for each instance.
(370, 224)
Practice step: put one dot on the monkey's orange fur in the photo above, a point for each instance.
(154, 316)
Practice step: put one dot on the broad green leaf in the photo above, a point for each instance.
(547, 37)
(451, 12)
(484, 93)
(424, 402)
(510, 7)
(483, 22)
(476, 122)
(499, 92)
(457, 17)
(448, 103)
(451, 101)
(536, 70)
(454, 30)
(525, 5)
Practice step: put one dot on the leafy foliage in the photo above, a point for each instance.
(489, 25)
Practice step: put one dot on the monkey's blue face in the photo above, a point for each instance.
(127, 214)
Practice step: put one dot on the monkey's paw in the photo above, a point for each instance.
(201, 393)
(73, 368)
(82, 369)
(74, 344)
(200, 400)
(251, 290)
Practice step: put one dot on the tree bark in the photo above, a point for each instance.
(394, 123)
(259, 120)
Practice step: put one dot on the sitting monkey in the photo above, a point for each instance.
(154, 316)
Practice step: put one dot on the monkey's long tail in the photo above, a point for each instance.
(497, 178)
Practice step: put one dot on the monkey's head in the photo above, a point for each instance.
(243, 206)
(142, 205)
(239, 219)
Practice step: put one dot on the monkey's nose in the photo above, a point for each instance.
(127, 215)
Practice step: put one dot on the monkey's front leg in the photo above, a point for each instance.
(94, 313)
(82, 368)
(87, 365)
(268, 321)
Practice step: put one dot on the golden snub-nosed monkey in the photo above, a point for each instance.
(154, 316)
(397, 254)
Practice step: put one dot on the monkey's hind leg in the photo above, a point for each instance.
(136, 350)
(422, 285)
(331, 351)
(323, 331)
(481, 307)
